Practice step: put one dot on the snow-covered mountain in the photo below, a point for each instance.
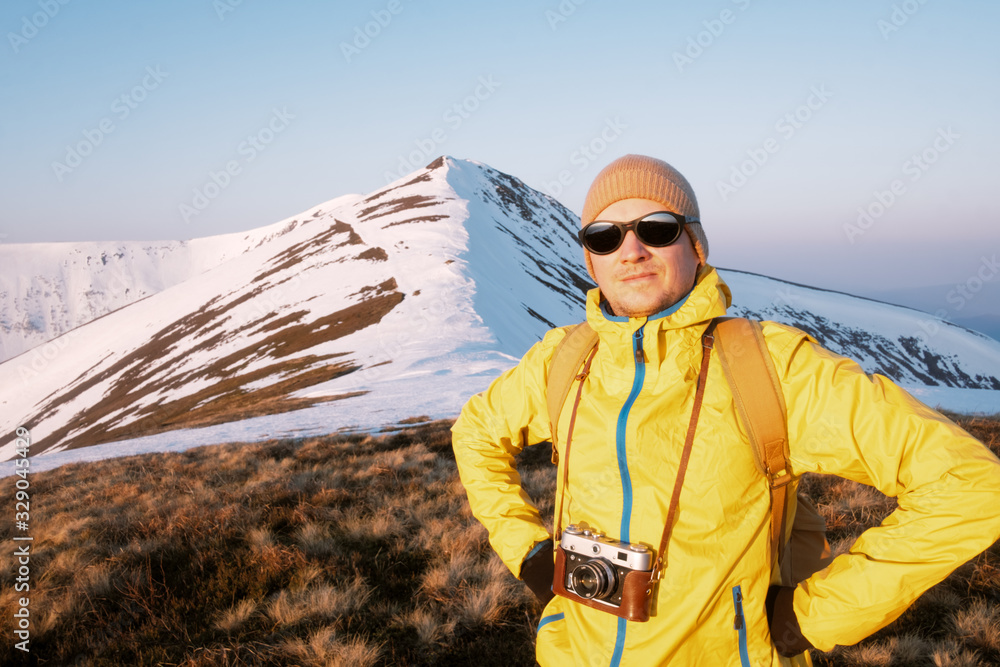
(913, 348)
(47, 289)
(369, 310)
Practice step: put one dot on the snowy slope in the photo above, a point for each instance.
(910, 346)
(375, 293)
(47, 289)
(371, 310)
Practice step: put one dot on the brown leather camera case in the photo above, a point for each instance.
(636, 595)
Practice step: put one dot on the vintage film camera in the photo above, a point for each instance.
(603, 573)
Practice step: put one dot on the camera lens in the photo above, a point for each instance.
(593, 579)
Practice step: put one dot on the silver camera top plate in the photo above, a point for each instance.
(597, 545)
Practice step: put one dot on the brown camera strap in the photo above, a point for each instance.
(707, 341)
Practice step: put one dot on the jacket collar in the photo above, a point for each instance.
(606, 309)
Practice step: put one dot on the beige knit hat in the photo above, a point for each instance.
(641, 177)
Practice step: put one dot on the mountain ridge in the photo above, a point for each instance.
(918, 311)
(48, 289)
(376, 308)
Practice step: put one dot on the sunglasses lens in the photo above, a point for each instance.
(658, 230)
(655, 230)
(602, 237)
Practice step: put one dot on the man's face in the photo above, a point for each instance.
(637, 280)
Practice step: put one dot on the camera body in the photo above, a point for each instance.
(603, 573)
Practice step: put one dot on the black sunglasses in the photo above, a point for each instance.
(656, 230)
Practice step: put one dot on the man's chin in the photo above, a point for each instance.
(637, 307)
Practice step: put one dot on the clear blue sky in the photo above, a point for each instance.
(706, 86)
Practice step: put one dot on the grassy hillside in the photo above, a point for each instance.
(351, 550)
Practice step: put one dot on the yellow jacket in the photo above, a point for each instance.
(626, 444)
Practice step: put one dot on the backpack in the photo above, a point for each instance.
(799, 549)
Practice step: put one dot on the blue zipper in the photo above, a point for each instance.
(640, 376)
(616, 657)
(740, 624)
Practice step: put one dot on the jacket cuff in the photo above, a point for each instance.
(534, 550)
(785, 631)
(537, 571)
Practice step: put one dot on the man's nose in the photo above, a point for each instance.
(632, 249)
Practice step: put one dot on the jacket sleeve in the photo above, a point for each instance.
(947, 484)
(493, 427)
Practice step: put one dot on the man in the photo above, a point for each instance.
(715, 603)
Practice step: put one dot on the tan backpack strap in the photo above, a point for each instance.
(569, 436)
(760, 404)
(567, 359)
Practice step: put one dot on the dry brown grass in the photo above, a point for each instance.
(355, 550)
